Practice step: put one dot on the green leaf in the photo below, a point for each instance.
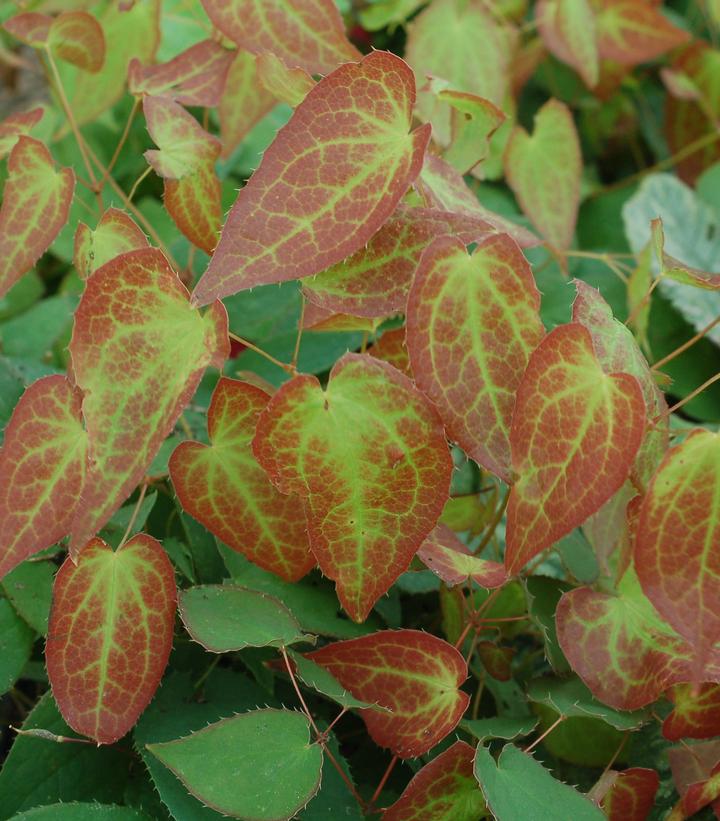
(37, 333)
(543, 595)
(233, 766)
(223, 618)
(29, 588)
(519, 788)
(74, 811)
(16, 641)
(505, 727)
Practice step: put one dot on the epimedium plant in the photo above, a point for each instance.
(393, 438)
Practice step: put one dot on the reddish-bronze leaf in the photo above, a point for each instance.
(631, 32)
(110, 635)
(326, 184)
(226, 490)
(30, 27)
(472, 323)
(631, 795)
(702, 793)
(695, 714)
(244, 102)
(567, 28)
(35, 206)
(195, 77)
(496, 660)
(544, 171)
(15, 126)
(375, 280)
(320, 319)
(369, 457)
(116, 233)
(443, 790)
(42, 464)
(451, 560)
(692, 766)
(575, 433)
(391, 348)
(415, 675)
(194, 204)
(138, 353)
(77, 38)
(676, 553)
(303, 33)
(289, 85)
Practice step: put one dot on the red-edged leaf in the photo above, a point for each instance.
(35, 206)
(375, 280)
(631, 795)
(451, 560)
(194, 203)
(443, 42)
(567, 28)
(391, 348)
(695, 714)
(116, 233)
(472, 323)
(225, 489)
(110, 635)
(30, 27)
(678, 533)
(544, 171)
(77, 38)
(326, 183)
(244, 102)
(575, 433)
(289, 85)
(369, 457)
(623, 651)
(138, 353)
(617, 350)
(303, 33)
(195, 77)
(442, 187)
(702, 793)
(415, 675)
(631, 32)
(42, 464)
(15, 126)
(444, 790)
(677, 270)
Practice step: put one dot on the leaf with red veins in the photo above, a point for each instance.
(444, 790)
(30, 27)
(676, 551)
(447, 557)
(35, 206)
(631, 33)
(244, 102)
(110, 635)
(224, 488)
(544, 172)
(327, 183)
(289, 85)
(442, 187)
(308, 34)
(694, 715)
(472, 323)
(413, 674)
(195, 77)
(567, 28)
(632, 795)
(375, 280)
(116, 233)
(138, 353)
(391, 348)
(617, 350)
(42, 465)
(184, 145)
(369, 458)
(621, 648)
(17, 125)
(575, 433)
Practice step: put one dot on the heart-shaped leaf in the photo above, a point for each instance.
(42, 465)
(368, 456)
(233, 766)
(115, 233)
(415, 675)
(110, 635)
(131, 404)
(224, 488)
(472, 323)
(574, 436)
(324, 187)
(35, 206)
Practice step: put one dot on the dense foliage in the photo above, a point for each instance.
(396, 491)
